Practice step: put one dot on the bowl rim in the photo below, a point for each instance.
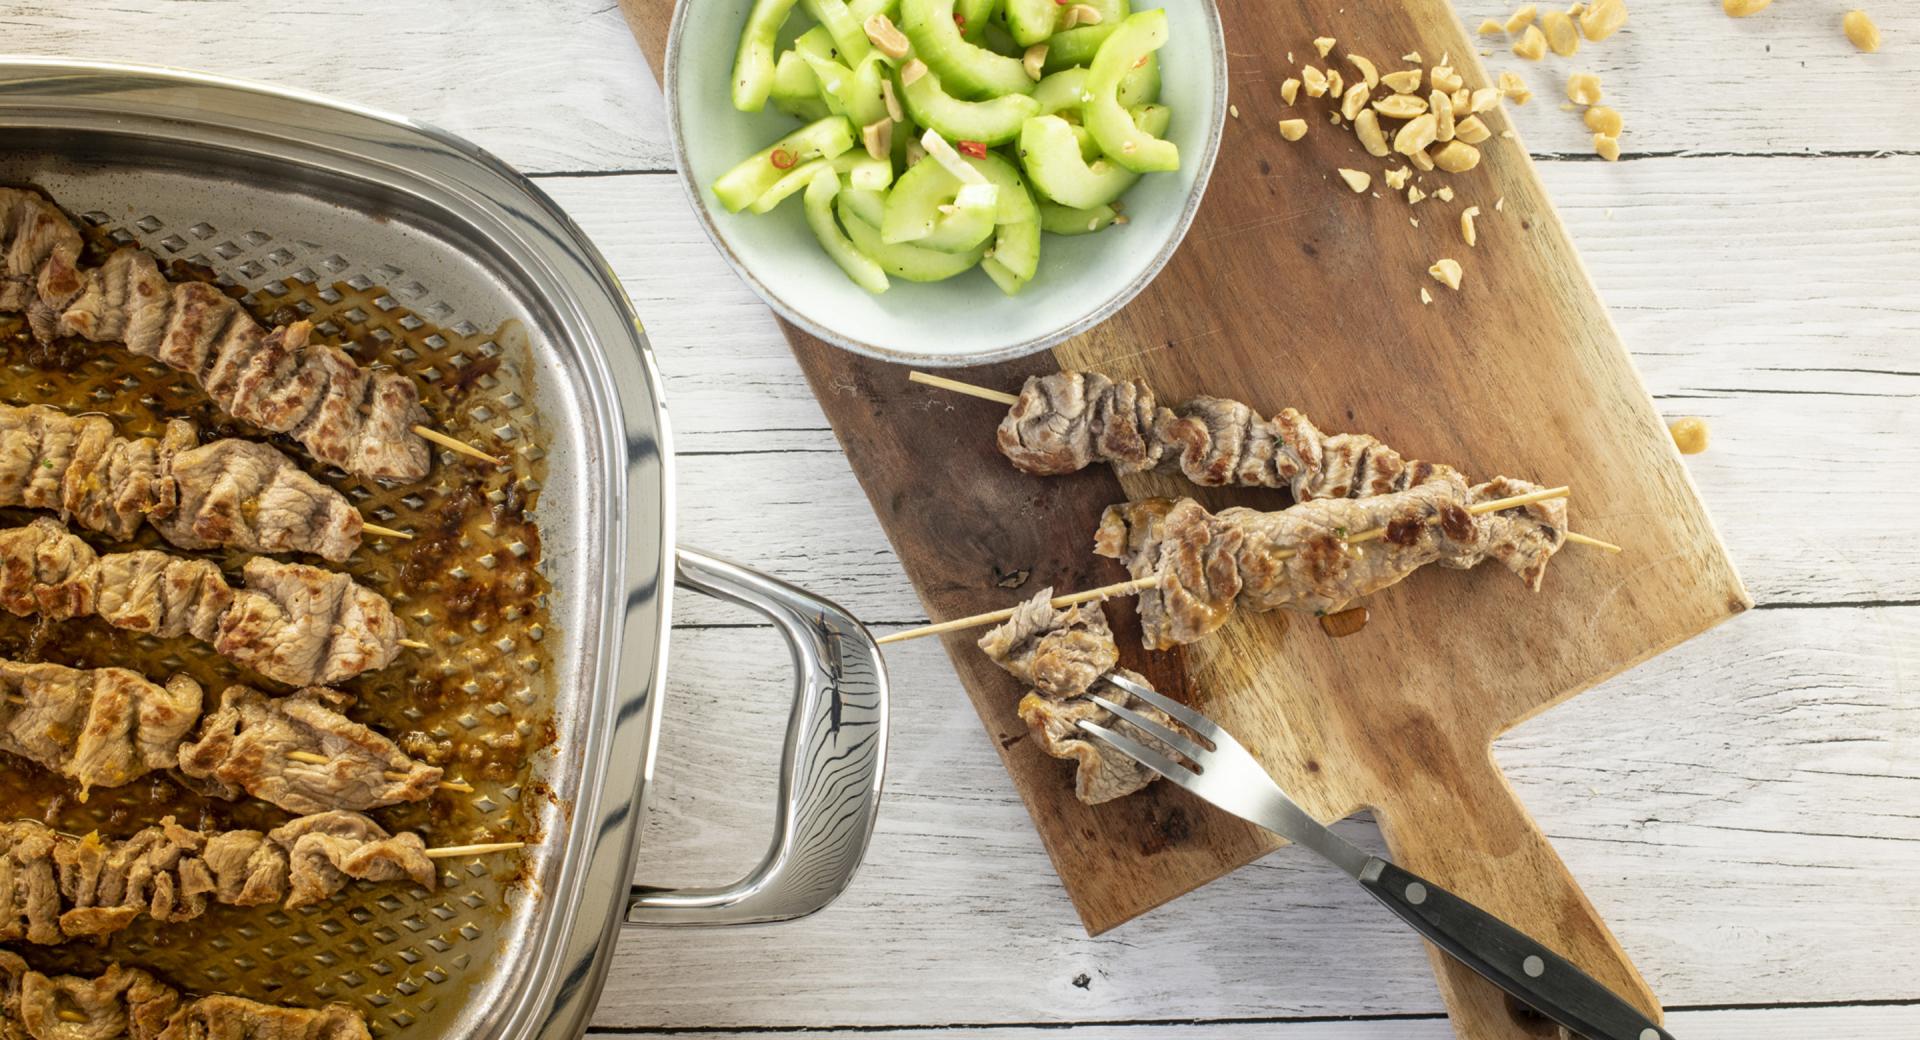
(1210, 150)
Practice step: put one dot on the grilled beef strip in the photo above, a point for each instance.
(106, 727)
(1062, 654)
(1066, 421)
(55, 888)
(345, 414)
(228, 492)
(1299, 558)
(300, 625)
(125, 1003)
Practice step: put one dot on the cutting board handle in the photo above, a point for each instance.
(1465, 828)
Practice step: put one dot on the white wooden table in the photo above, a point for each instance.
(1745, 810)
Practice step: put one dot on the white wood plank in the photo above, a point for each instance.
(1790, 326)
(1741, 810)
(562, 86)
(1745, 1024)
(544, 84)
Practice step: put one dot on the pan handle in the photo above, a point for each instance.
(830, 770)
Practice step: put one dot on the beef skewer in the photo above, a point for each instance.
(1326, 531)
(228, 492)
(123, 1003)
(300, 625)
(367, 421)
(1066, 421)
(106, 727)
(55, 888)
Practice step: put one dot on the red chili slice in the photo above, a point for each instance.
(977, 149)
(960, 19)
(781, 159)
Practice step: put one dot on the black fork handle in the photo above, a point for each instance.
(1508, 957)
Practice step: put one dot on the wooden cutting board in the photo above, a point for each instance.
(1292, 290)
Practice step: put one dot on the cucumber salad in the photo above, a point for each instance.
(941, 135)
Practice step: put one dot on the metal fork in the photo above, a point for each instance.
(1225, 774)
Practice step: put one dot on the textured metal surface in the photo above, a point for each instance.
(539, 586)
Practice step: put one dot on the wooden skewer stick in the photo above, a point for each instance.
(413, 644)
(455, 444)
(1128, 588)
(446, 851)
(1580, 539)
(312, 758)
(385, 532)
(1125, 588)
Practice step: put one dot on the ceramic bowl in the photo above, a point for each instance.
(1081, 281)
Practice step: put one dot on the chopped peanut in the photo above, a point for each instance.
(1603, 120)
(1486, 99)
(1467, 232)
(1354, 101)
(1412, 57)
(1743, 8)
(1491, 27)
(1532, 45)
(1397, 177)
(1521, 18)
(1315, 80)
(1515, 88)
(1289, 90)
(886, 37)
(1603, 18)
(1861, 30)
(1080, 14)
(1471, 130)
(1561, 34)
(1033, 61)
(1462, 100)
(1367, 70)
(1366, 126)
(1421, 161)
(1445, 194)
(1425, 296)
(1414, 195)
(1689, 435)
(1606, 147)
(1444, 78)
(911, 72)
(1324, 44)
(1447, 273)
(1400, 106)
(1416, 135)
(877, 136)
(892, 100)
(1456, 156)
(1583, 88)
(1336, 83)
(1406, 81)
(1293, 129)
(1356, 179)
(1442, 107)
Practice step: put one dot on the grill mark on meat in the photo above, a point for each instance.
(1067, 420)
(344, 414)
(1299, 558)
(55, 887)
(295, 624)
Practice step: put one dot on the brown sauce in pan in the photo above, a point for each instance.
(477, 704)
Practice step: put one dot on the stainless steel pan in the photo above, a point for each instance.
(272, 188)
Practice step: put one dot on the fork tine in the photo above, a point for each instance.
(1171, 737)
(1143, 754)
(1186, 716)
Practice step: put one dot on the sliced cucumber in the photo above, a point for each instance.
(1016, 247)
(1152, 119)
(967, 71)
(1089, 148)
(1061, 91)
(1113, 127)
(974, 16)
(1016, 201)
(904, 261)
(865, 9)
(741, 186)
(1056, 219)
(1032, 21)
(870, 206)
(1077, 46)
(1051, 155)
(793, 79)
(863, 171)
(789, 183)
(806, 109)
(989, 122)
(753, 62)
(933, 209)
(847, 32)
(1009, 283)
(1141, 84)
(860, 267)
